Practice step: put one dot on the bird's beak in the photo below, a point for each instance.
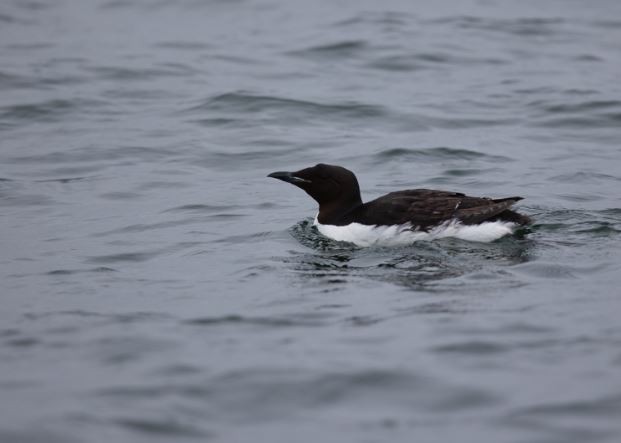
(288, 177)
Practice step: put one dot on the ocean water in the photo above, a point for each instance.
(156, 286)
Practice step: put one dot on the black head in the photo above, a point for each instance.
(331, 186)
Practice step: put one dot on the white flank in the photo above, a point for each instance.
(394, 235)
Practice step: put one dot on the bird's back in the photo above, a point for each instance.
(424, 208)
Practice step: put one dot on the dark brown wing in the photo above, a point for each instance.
(425, 208)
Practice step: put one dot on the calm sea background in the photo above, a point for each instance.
(156, 286)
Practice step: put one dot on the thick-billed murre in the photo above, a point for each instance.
(403, 216)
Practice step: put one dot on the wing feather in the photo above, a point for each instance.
(424, 208)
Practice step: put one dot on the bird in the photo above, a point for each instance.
(400, 217)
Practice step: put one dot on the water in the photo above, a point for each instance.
(156, 286)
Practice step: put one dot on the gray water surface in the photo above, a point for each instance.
(156, 286)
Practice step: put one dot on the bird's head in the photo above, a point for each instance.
(327, 184)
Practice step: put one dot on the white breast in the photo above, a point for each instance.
(394, 235)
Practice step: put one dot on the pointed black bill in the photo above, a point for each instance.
(288, 177)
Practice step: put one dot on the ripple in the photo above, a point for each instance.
(434, 154)
(248, 159)
(292, 320)
(80, 271)
(63, 180)
(585, 226)
(363, 320)
(587, 106)
(184, 45)
(585, 114)
(32, 5)
(120, 195)
(9, 332)
(22, 342)
(122, 73)
(547, 270)
(600, 229)
(418, 266)
(137, 95)
(163, 427)
(466, 172)
(607, 405)
(522, 27)
(376, 17)
(583, 177)
(243, 103)
(420, 61)
(614, 24)
(202, 208)
(10, 81)
(26, 200)
(96, 153)
(472, 348)
(433, 308)
(610, 120)
(146, 227)
(463, 122)
(220, 122)
(127, 317)
(580, 412)
(338, 50)
(117, 350)
(135, 257)
(615, 213)
(244, 238)
(37, 435)
(265, 393)
(5, 18)
(163, 184)
(47, 111)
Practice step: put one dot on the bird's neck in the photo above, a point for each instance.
(338, 212)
